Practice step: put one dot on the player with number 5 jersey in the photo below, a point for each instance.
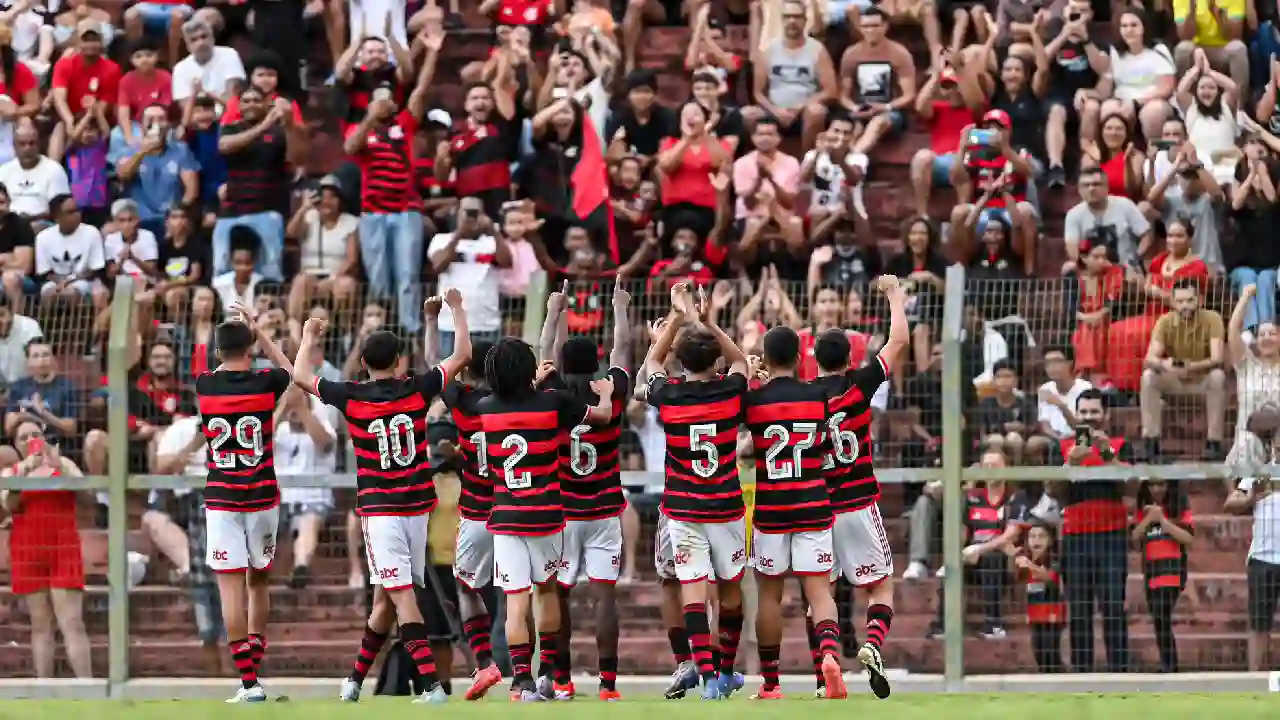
(242, 500)
(702, 498)
(387, 421)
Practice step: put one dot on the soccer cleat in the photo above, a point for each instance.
(833, 677)
(350, 691)
(768, 693)
(484, 679)
(566, 691)
(869, 656)
(527, 696)
(730, 682)
(255, 694)
(433, 696)
(610, 695)
(711, 691)
(820, 693)
(684, 679)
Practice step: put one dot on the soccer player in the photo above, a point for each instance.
(242, 500)
(524, 429)
(591, 490)
(858, 536)
(792, 520)
(387, 421)
(702, 498)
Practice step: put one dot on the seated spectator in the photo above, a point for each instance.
(1113, 151)
(729, 127)
(1007, 418)
(1057, 399)
(132, 250)
(209, 68)
(87, 164)
(70, 258)
(833, 175)
(1209, 101)
(686, 166)
(639, 127)
(1005, 178)
(44, 397)
(1252, 258)
(17, 255)
(264, 75)
(1101, 287)
(44, 550)
(179, 450)
(949, 103)
(1185, 357)
(1143, 75)
(923, 271)
(766, 165)
(794, 79)
(1215, 34)
(32, 180)
(183, 262)
(240, 283)
(144, 21)
(161, 172)
(1105, 219)
(850, 263)
(305, 439)
(193, 333)
(16, 330)
(482, 146)
(878, 81)
(1198, 204)
(329, 248)
(1020, 90)
(140, 88)
(1256, 360)
(994, 239)
(79, 79)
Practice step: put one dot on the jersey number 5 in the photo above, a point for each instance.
(248, 436)
(395, 440)
(699, 443)
(786, 470)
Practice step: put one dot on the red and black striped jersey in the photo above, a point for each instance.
(387, 422)
(851, 476)
(788, 422)
(237, 409)
(386, 166)
(1045, 603)
(476, 499)
(1164, 559)
(700, 419)
(590, 463)
(522, 442)
(985, 515)
(482, 155)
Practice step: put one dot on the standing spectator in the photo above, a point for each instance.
(44, 397)
(16, 330)
(878, 81)
(794, 79)
(87, 163)
(305, 441)
(468, 259)
(264, 74)
(1185, 358)
(1162, 530)
(210, 68)
(1254, 495)
(32, 180)
(77, 78)
(70, 258)
(329, 248)
(258, 150)
(140, 88)
(1143, 76)
(17, 254)
(1257, 364)
(1216, 32)
(949, 103)
(46, 564)
(200, 130)
(1046, 612)
(161, 172)
(1095, 543)
(482, 146)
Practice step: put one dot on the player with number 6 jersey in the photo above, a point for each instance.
(858, 536)
(242, 499)
(387, 421)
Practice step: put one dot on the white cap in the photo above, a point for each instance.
(440, 117)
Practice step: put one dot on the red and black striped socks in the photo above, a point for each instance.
(828, 632)
(699, 629)
(769, 659)
(521, 662)
(548, 653)
(242, 656)
(608, 667)
(815, 651)
(478, 631)
(414, 636)
(879, 618)
(370, 645)
(730, 636)
(258, 642)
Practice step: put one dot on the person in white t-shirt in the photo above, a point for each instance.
(1143, 74)
(825, 177)
(217, 70)
(467, 260)
(32, 179)
(131, 249)
(70, 258)
(1058, 399)
(305, 442)
(329, 249)
(180, 450)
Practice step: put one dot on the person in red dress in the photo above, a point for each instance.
(1101, 287)
(45, 561)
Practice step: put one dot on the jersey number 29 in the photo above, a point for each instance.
(248, 436)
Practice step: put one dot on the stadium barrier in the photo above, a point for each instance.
(957, 325)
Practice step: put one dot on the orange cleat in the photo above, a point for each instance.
(768, 693)
(566, 691)
(484, 679)
(610, 695)
(834, 678)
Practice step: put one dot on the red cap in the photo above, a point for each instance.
(999, 117)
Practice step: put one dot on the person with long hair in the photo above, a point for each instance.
(1257, 364)
(1046, 610)
(1143, 74)
(1163, 530)
(1209, 101)
(923, 271)
(1113, 150)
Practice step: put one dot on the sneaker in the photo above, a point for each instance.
(768, 693)
(254, 694)
(1056, 177)
(993, 631)
(915, 571)
(870, 658)
(566, 691)
(434, 695)
(833, 677)
(730, 682)
(935, 631)
(527, 696)
(684, 679)
(820, 693)
(350, 691)
(942, 573)
(711, 691)
(610, 695)
(484, 679)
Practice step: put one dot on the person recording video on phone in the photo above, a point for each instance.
(1095, 542)
(468, 259)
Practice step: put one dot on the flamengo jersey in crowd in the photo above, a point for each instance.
(237, 410)
(851, 478)
(590, 471)
(476, 498)
(788, 423)
(521, 446)
(387, 422)
(701, 420)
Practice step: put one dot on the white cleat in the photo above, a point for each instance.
(350, 691)
(915, 571)
(255, 694)
(434, 696)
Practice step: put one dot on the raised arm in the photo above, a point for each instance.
(304, 375)
(556, 303)
(733, 354)
(620, 355)
(269, 347)
(899, 330)
(453, 364)
(431, 329)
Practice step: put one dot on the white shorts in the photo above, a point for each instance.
(664, 561)
(708, 551)
(862, 546)
(84, 288)
(473, 559)
(799, 553)
(593, 547)
(522, 561)
(241, 540)
(396, 548)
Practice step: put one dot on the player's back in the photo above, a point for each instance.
(590, 463)
(787, 420)
(387, 422)
(851, 477)
(237, 409)
(476, 498)
(522, 441)
(700, 419)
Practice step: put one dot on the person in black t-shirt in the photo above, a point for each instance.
(1007, 418)
(729, 126)
(17, 252)
(638, 127)
(184, 261)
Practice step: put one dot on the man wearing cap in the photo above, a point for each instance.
(80, 80)
(985, 162)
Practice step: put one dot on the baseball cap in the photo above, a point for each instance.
(331, 181)
(439, 117)
(998, 117)
(86, 26)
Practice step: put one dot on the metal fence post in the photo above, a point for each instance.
(535, 308)
(118, 345)
(952, 466)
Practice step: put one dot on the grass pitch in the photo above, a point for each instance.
(906, 706)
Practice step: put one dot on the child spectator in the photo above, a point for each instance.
(1163, 529)
(1046, 610)
(201, 131)
(140, 88)
(87, 164)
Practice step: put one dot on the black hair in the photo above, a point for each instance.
(1068, 352)
(580, 356)
(476, 84)
(1149, 38)
(1175, 498)
(1004, 364)
(705, 77)
(56, 203)
(381, 350)
(781, 347)
(1092, 393)
(1094, 170)
(233, 339)
(767, 121)
(1051, 552)
(144, 44)
(37, 340)
(510, 368)
(840, 116)
(697, 351)
(479, 351)
(832, 350)
(244, 237)
(1186, 283)
(874, 11)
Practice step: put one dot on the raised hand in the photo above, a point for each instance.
(313, 328)
(453, 297)
(244, 312)
(681, 301)
(621, 298)
(558, 300)
(431, 306)
(603, 387)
